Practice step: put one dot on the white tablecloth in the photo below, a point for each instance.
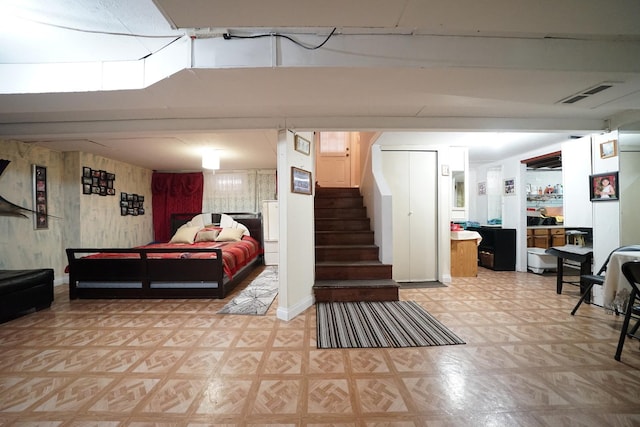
(466, 235)
(614, 280)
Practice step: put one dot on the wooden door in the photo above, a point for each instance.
(333, 159)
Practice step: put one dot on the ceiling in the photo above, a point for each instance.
(466, 73)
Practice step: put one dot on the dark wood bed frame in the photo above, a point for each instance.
(174, 276)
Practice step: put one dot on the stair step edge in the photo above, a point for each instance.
(358, 246)
(367, 263)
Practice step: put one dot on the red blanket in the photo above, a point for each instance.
(235, 255)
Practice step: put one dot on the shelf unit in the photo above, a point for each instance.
(497, 250)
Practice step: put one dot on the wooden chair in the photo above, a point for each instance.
(598, 278)
(631, 271)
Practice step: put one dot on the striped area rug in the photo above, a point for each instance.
(379, 324)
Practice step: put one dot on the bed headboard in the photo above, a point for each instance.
(251, 220)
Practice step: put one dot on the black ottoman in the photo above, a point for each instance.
(22, 290)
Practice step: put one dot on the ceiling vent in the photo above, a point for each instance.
(580, 96)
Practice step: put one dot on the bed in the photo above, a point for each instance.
(205, 268)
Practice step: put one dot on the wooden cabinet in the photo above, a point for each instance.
(497, 250)
(557, 237)
(541, 238)
(545, 237)
(464, 258)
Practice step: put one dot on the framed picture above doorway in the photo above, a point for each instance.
(609, 149)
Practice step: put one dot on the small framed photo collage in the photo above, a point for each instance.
(98, 182)
(131, 204)
(40, 197)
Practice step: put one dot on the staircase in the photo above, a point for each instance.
(347, 263)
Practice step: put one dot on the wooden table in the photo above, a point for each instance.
(581, 254)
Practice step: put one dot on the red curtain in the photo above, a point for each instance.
(174, 193)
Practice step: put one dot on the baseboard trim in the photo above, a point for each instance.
(288, 313)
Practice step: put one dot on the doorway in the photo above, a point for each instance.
(334, 157)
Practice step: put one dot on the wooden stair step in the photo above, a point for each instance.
(346, 253)
(324, 224)
(337, 192)
(358, 212)
(338, 202)
(357, 237)
(355, 290)
(353, 270)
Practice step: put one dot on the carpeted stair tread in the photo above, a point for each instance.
(355, 283)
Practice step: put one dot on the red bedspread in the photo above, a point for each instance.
(235, 255)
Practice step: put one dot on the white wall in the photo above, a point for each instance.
(297, 239)
(576, 168)
(22, 247)
(606, 215)
(81, 220)
(629, 146)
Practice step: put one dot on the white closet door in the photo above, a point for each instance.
(423, 218)
(395, 167)
(412, 178)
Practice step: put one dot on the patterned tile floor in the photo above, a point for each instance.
(527, 362)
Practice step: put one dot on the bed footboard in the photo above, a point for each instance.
(142, 273)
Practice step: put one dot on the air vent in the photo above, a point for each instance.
(574, 99)
(597, 89)
(586, 93)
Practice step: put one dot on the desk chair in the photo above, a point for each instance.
(598, 278)
(631, 271)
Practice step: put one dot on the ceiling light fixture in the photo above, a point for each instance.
(210, 159)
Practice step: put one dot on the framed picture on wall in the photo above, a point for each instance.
(300, 181)
(41, 219)
(609, 149)
(302, 145)
(482, 188)
(510, 187)
(603, 187)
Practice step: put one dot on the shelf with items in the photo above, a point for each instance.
(536, 201)
(544, 197)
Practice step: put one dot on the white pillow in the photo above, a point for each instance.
(230, 235)
(205, 235)
(228, 222)
(185, 234)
